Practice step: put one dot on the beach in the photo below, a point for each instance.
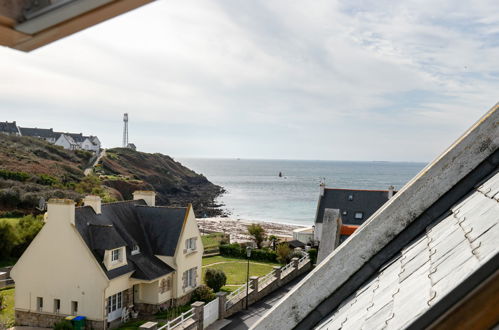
(237, 228)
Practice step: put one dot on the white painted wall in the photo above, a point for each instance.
(59, 265)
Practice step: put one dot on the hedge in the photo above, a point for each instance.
(17, 176)
(235, 250)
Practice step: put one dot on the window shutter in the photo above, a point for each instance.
(195, 241)
(195, 276)
(184, 280)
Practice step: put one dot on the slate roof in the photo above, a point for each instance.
(427, 269)
(349, 202)
(433, 243)
(9, 128)
(155, 230)
(39, 132)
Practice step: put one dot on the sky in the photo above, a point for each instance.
(330, 80)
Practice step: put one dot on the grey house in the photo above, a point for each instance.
(9, 128)
(428, 258)
(355, 205)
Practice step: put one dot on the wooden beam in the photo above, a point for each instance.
(12, 38)
(478, 310)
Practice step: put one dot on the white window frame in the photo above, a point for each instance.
(359, 215)
(135, 250)
(114, 302)
(74, 307)
(191, 277)
(57, 306)
(115, 255)
(39, 304)
(190, 244)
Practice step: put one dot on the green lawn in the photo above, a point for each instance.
(7, 314)
(211, 241)
(235, 269)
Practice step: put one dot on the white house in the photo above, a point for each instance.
(67, 142)
(99, 259)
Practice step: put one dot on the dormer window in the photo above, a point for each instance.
(359, 215)
(135, 250)
(115, 255)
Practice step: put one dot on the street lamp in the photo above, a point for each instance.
(248, 254)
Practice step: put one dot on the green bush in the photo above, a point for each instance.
(215, 278)
(17, 176)
(313, 255)
(283, 253)
(236, 250)
(8, 239)
(46, 180)
(203, 293)
(63, 325)
(2, 299)
(27, 228)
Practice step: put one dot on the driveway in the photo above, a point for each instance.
(246, 318)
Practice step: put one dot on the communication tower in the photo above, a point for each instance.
(125, 130)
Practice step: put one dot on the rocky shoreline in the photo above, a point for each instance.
(237, 228)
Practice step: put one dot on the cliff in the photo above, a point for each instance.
(32, 170)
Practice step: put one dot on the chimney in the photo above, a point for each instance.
(148, 196)
(322, 187)
(94, 202)
(60, 210)
(390, 191)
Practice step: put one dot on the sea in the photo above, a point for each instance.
(255, 191)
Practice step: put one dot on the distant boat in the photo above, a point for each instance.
(280, 174)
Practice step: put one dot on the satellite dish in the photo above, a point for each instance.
(42, 205)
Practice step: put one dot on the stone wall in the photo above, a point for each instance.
(47, 320)
(256, 293)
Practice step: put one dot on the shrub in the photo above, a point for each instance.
(258, 233)
(63, 325)
(283, 252)
(8, 239)
(313, 255)
(27, 228)
(46, 180)
(10, 175)
(1, 301)
(236, 250)
(203, 293)
(215, 278)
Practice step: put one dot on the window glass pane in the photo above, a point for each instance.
(119, 300)
(109, 305)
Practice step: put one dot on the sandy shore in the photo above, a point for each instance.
(238, 228)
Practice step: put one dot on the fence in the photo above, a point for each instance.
(178, 321)
(237, 295)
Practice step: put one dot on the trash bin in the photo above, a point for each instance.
(70, 317)
(79, 323)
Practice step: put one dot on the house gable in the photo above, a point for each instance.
(58, 265)
(184, 258)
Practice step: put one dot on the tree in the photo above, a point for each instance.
(258, 233)
(273, 240)
(283, 252)
(215, 278)
(8, 239)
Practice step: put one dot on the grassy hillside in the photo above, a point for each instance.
(126, 170)
(31, 169)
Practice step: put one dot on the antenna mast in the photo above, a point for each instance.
(125, 130)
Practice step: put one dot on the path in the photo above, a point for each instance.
(246, 318)
(89, 170)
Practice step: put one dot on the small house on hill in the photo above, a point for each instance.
(428, 259)
(101, 260)
(46, 134)
(9, 128)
